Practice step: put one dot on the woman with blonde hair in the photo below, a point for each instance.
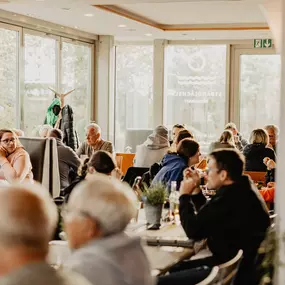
(15, 163)
(257, 150)
(226, 141)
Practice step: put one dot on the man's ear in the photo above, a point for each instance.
(223, 175)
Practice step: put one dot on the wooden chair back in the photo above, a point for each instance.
(212, 279)
(127, 161)
(228, 270)
(257, 176)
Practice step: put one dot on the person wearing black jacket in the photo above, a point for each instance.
(235, 218)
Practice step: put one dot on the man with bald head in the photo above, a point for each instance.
(28, 218)
(94, 142)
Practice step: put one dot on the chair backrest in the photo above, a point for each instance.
(228, 270)
(256, 176)
(127, 161)
(44, 159)
(212, 279)
(133, 173)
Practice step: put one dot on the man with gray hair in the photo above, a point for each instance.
(96, 216)
(94, 142)
(273, 132)
(27, 224)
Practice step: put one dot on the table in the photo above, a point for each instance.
(161, 258)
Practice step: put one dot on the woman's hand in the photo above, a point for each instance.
(271, 164)
(265, 160)
(190, 182)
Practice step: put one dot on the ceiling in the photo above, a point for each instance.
(150, 19)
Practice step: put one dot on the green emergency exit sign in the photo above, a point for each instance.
(263, 43)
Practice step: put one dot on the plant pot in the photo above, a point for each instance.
(153, 213)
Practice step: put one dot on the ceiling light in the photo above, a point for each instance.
(121, 26)
(148, 35)
(88, 15)
(75, 27)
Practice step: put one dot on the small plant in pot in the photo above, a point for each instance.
(154, 198)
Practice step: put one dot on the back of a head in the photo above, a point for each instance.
(161, 131)
(178, 126)
(184, 134)
(187, 148)
(227, 137)
(258, 136)
(102, 162)
(108, 201)
(28, 217)
(231, 161)
(230, 125)
(56, 133)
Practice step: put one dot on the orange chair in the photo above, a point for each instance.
(257, 176)
(127, 161)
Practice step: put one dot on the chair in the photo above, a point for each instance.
(44, 159)
(127, 161)
(212, 279)
(257, 176)
(133, 173)
(228, 270)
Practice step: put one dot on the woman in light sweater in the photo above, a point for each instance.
(153, 149)
(15, 164)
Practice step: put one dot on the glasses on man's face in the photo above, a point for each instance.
(7, 141)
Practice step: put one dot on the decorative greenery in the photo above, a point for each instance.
(155, 194)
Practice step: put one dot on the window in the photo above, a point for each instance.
(76, 74)
(134, 95)
(259, 91)
(8, 77)
(195, 91)
(40, 74)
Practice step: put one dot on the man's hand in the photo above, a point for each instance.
(190, 183)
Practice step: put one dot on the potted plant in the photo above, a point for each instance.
(154, 198)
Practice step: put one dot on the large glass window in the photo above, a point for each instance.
(259, 91)
(76, 74)
(40, 74)
(8, 77)
(134, 95)
(196, 90)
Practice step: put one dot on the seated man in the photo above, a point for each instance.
(94, 142)
(240, 142)
(235, 218)
(96, 216)
(28, 220)
(68, 161)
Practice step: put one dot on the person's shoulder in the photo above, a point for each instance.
(70, 277)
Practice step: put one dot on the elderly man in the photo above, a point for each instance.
(273, 132)
(28, 220)
(94, 142)
(240, 142)
(96, 216)
(68, 161)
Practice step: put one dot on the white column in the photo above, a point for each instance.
(158, 81)
(104, 86)
(275, 13)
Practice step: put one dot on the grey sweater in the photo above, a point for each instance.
(114, 260)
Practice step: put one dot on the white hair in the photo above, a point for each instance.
(28, 216)
(108, 201)
(44, 128)
(95, 127)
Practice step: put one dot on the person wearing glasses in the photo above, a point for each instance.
(15, 163)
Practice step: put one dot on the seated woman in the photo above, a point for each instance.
(153, 149)
(173, 164)
(257, 150)
(15, 164)
(226, 141)
(100, 162)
